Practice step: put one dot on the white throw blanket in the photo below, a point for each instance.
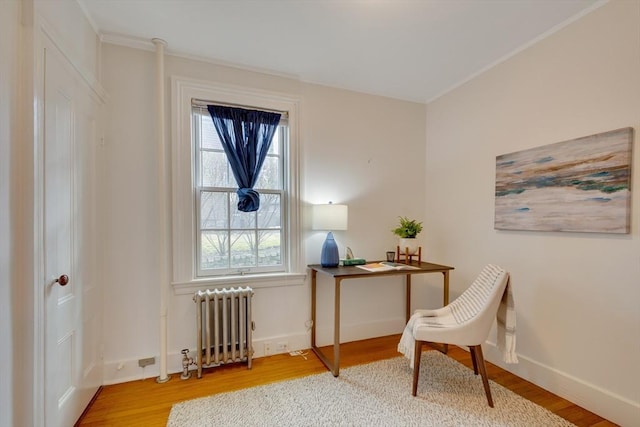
(506, 333)
(506, 318)
(407, 343)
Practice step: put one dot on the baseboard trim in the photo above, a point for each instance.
(121, 371)
(611, 406)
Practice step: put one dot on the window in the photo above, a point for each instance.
(228, 240)
(214, 244)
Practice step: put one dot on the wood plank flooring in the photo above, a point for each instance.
(147, 403)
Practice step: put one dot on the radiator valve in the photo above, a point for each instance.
(186, 362)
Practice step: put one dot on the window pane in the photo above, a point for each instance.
(215, 170)
(213, 249)
(241, 220)
(243, 252)
(213, 210)
(270, 211)
(210, 138)
(270, 176)
(269, 248)
(275, 142)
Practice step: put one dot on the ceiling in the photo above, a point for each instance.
(413, 50)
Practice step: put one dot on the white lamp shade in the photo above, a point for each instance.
(330, 217)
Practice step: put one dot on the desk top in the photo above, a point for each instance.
(354, 271)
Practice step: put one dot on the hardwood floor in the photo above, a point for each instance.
(147, 403)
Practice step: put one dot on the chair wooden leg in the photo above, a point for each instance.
(472, 350)
(416, 366)
(483, 373)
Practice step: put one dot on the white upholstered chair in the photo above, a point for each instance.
(464, 322)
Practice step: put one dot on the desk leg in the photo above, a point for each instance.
(445, 299)
(445, 290)
(335, 366)
(407, 309)
(336, 332)
(313, 308)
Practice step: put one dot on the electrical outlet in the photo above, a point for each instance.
(283, 347)
(146, 362)
(267, 348)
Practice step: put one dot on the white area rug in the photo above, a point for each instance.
(376, 394)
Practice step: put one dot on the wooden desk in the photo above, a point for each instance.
(353, 272)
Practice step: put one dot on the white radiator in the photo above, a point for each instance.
(224, 323)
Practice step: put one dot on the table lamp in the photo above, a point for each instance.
(330, 217)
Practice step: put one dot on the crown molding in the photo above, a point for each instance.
(147, 44)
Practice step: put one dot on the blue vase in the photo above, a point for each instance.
(329, 256)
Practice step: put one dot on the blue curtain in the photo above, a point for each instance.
(246, 137)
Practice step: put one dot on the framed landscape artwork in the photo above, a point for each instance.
(581, 185)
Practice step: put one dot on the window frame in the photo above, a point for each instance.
(184, 249)
(282, 154)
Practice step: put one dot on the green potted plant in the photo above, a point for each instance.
(407, 230)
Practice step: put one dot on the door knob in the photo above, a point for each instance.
(62, 280)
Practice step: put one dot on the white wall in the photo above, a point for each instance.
(362, 150)
(577, 295)
(9, 19)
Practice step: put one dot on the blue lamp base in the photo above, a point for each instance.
(329, 257)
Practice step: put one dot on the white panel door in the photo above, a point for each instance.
(63, 322)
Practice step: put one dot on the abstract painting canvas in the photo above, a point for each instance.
(581, 185)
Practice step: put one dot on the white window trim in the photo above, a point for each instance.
(183, 91)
